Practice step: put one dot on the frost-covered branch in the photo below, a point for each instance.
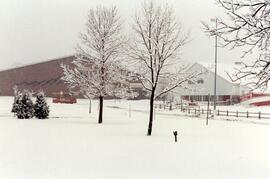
(97, 70)
(254, 75)
(248, 25)
(180, 79)
(154, 49)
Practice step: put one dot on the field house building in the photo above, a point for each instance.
(44, 76)
(226, 91)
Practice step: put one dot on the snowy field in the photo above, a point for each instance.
(71, 145)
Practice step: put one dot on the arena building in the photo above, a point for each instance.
(44, 76)
(227, 92)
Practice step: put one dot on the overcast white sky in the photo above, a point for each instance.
(37, 30)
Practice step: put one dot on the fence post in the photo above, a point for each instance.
(129, 110)
(170, 107)
(247, 114)
(188, 110)
(260, 115)
(207, 111)
(227, 113)
(195, 111)
(218, 112)
(236, 113)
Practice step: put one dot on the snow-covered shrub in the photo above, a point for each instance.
(25, 107)
(15, 105)
(41, 107)
(16, 99)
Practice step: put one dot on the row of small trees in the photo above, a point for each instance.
(24, 108)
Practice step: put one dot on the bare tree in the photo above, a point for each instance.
(154, 49)
(248, 26)
(97, 70)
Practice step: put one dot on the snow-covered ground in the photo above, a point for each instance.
(71, 145)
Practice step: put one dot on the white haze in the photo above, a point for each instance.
(37, 30)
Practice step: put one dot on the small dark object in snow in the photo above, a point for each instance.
(175, 135)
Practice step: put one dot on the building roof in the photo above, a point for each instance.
(45, 76)
(224, 85)
(223, 70)
(37, 63)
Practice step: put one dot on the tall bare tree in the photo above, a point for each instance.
(247, 25)
(97, 70)
(155, 49)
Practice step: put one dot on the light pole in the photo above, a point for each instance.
(215, 80)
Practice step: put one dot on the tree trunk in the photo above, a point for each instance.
(149, 132)
(100, 109)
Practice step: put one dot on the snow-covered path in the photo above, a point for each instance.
(71, 145)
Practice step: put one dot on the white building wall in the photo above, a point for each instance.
(224, 87)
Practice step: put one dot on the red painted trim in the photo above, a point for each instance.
(263, 103)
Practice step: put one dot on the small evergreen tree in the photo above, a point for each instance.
(41, 107)
(25, 108)
(15, 102)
